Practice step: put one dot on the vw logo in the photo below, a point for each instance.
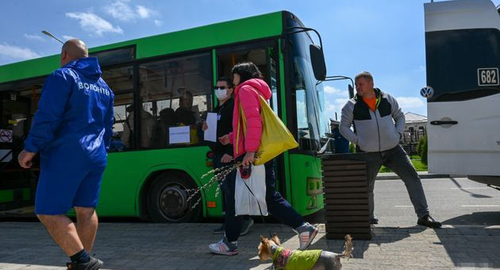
(427, 92)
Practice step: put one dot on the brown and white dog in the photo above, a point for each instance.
(269, 249)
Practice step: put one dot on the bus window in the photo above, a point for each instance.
(19, 107)
(14, 117)
(227, 58)
(174, 93)
(256, 53)
(123, 138)
(115, 56)
(18, 104)
(120, 80)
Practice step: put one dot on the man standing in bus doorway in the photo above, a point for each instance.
(379, 125)
(340, 144)
(72, 131)
(223, 154)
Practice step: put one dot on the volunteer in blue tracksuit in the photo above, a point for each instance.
(71, 130)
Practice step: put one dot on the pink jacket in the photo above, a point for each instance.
(247, 94)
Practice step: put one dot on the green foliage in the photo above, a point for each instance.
(384, 169)
(418, 164)
(352, 148)
(415, 160)
(422, 149)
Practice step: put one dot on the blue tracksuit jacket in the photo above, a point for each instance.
(75, 114)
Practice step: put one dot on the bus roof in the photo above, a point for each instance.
(217, 34)
(464, 14)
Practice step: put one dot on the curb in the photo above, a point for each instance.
(393, 176)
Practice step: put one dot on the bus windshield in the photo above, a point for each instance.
(312, 122)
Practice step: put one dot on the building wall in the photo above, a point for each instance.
(412, 134)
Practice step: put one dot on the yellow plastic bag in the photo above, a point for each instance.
(276, 138)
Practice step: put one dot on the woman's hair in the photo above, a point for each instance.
(247, 71)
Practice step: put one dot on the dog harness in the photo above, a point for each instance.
(295, 260)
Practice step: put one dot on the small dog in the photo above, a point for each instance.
(269, 249)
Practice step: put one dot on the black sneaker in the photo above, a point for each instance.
(428, 221)
(374, 220)
(220, 230)
(247, 223)
(93, 264)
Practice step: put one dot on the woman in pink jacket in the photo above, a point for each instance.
(247, 78)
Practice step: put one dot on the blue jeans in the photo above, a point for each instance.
(276, 204)
(397, 160)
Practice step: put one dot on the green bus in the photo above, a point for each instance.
(151, 173)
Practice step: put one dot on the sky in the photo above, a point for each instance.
(385, 37)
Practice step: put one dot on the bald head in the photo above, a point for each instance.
(73, 49)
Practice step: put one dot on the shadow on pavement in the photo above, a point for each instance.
(472, 194)
(469, 244)
(381, 237)
(486, 218)
(465, 246)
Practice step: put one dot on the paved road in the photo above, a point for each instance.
(469, 240)
(454, 201)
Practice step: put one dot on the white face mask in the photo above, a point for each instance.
(221, 94)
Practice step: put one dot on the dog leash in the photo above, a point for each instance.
(260, 210)
(263, 221)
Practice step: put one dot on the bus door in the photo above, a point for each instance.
(463, 93)
(265, 56)
(15, 185)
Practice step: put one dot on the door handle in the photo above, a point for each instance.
(438, 123)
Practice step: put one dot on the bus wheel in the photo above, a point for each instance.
(167, 199)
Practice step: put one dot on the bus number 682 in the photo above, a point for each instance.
(487, 76)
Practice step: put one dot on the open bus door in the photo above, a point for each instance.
(264, 54)
(299, 185)
(463, 93)
(17, 186)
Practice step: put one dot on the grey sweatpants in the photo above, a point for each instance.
(397, 160)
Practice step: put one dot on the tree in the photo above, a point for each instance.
(422, 149)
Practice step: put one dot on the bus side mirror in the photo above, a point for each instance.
(350, 89)
(318, 62)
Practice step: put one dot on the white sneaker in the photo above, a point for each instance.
(223, 247)
(306, 232)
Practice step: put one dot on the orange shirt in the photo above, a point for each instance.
(371, 102)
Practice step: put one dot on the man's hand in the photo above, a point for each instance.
(205, 126)
(224, 139)
(248, 159)
(226, 158)
(25, 158)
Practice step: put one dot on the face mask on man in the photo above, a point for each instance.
(221, 93)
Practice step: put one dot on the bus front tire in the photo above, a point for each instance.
(167, 199)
